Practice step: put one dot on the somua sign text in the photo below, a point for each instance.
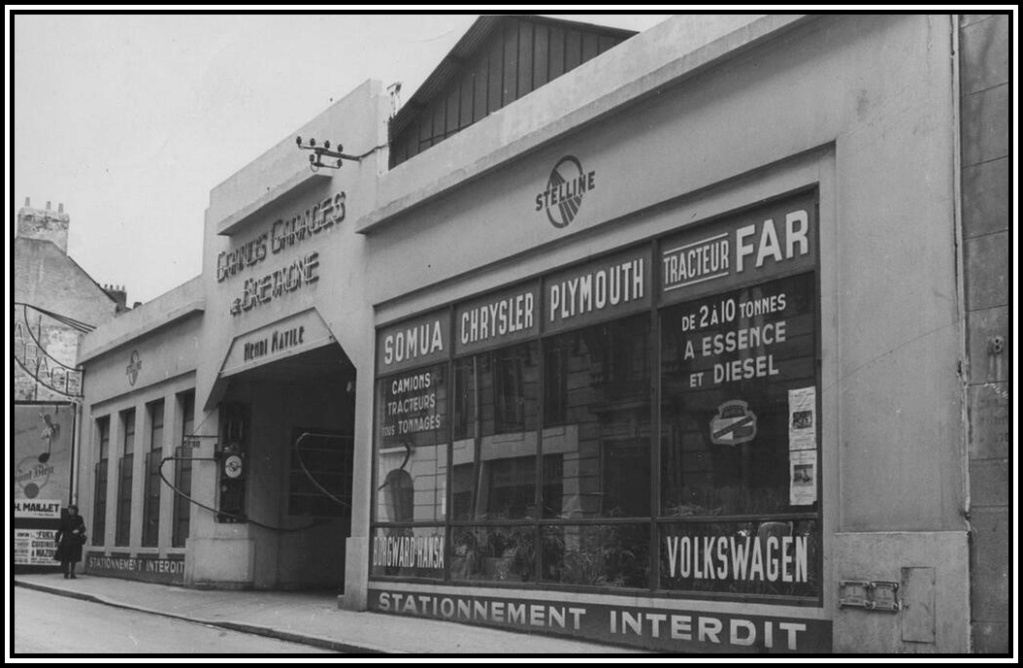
(413, 342)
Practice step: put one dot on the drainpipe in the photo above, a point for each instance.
(961, 315)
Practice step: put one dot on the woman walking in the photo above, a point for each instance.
(70, 539)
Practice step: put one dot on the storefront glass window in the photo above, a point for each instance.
(411, 448)
(493, 553)
(600, 555)
(494, 453)
(733, 397)
(739, 437)
(597, 421)
(557, 419)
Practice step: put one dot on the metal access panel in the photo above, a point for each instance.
(918, 604)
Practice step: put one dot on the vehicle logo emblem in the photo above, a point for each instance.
(733, 424)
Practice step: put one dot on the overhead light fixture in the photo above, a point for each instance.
(324, 151)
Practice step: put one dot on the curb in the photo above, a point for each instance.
(252, 629)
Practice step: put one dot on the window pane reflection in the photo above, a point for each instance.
(728, 426)
(499, 554)
(597, 421)
(605, 555)
(496, 419)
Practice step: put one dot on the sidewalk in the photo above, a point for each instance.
(307, 618)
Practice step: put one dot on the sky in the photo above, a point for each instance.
(131, 120)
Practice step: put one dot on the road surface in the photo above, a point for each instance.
(49, 624)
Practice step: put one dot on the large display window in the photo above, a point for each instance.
(739, 456)
(648, 421)
(497, 409)
(598, 420)
(412, 445)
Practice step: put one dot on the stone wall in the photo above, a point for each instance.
(984, 80)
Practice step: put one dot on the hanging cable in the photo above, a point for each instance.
(83, 327)
(308, 473)
(214, 510)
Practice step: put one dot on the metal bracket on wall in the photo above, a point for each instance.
(877, 595)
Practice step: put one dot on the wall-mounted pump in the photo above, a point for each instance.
(234, 434)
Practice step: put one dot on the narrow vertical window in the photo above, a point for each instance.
(183, 471)
(99, 496)
(122, 534)
(151, 508)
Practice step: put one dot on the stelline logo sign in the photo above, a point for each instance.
(565, 189)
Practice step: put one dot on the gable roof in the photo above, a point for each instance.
(455, 74)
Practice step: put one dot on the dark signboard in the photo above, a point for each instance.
(665, 629)
(607, 288)
(500, 318)
(413, 342)
(778, 238)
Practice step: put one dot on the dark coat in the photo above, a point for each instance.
(70, 539)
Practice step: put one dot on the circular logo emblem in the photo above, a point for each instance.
(133, 368)
(566, 186)
(233, 466)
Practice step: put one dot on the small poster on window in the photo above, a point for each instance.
(802, 477)
(803, 419)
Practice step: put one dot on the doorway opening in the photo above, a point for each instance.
(291, 423)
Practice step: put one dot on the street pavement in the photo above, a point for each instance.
(308, 618)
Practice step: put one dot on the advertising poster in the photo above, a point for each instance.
(41, 459)
(803, 474)
(34, 546)
(803, 418)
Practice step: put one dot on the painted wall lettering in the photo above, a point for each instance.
(296, 333)
(661, 628)
(150, 569)
(31, 356)
(282, 234)
(258, 291)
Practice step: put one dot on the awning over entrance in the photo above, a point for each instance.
(276, 349)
